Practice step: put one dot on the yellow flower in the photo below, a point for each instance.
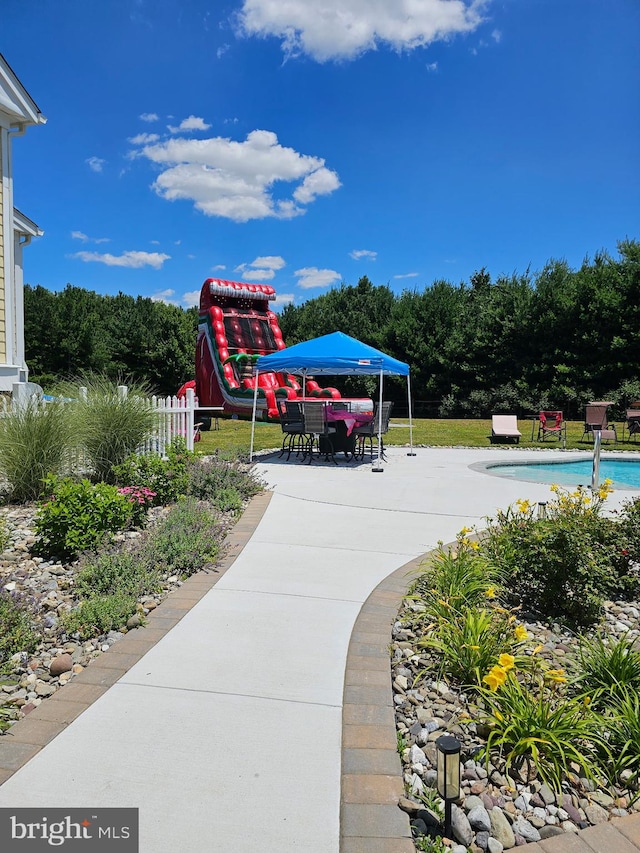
(556, 675)
(498, 715)
(499, 674)
(537, 649)
(523, 505)
(587, 501)
(555, 487)
(492, 681)
(507, 662)
(521, 633)
(465, 530)
(475, 648)
(474, 545)
(490, 592)
(586, 701)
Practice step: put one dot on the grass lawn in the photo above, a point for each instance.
(233, 437)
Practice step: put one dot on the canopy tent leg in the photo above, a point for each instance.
(377, 469)
(411, 450)
(253, 415)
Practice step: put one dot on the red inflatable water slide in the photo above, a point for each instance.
(235, 327)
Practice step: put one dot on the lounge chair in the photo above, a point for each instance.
(551, 423)
(632, 424)
(505, 427)
(595, 418)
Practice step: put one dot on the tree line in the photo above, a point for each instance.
(75, 331)
(552, 339)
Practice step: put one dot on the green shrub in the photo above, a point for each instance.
(208, 477)
(100, 614)
(79, 516)
(565, 565)
(606, 668)
(34, 442)
(184, 541)
(140, 500)
(111, 426)
(108, 573)
(167, 478)
(17, 632)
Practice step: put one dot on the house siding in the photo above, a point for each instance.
(3, 326)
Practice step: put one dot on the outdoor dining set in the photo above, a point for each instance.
(318, 429)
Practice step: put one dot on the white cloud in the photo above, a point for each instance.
(261, 269)
(408, 275)
(220, 52)
(191, 123)
(256, 274)
(321, 182)
(432, 66)
(95, 163)
(144, 138)
(78, 235)
(282, 299)
(344, 29)
(191, 299)
(313, 277)
(149, 117)
(218, 267)
(164, 296)
(235, 180)
(272, 262)
(358, 254)
(496, 35)
(133, 260)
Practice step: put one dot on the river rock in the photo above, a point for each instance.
(461, 826)
(522, 827)
(63, 663)
(596, 814)
(478, 817)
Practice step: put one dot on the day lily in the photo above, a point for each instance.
(521, 633)
(506, 661)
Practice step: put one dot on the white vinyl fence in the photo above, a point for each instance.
(175, 417)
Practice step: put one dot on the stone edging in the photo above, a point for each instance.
(28, 736)
(371, 783)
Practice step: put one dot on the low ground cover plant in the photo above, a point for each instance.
(17, 627)
(225, 484)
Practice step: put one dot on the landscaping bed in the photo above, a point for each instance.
(545, 709)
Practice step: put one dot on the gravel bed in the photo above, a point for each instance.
(491, 815)
(49, 584)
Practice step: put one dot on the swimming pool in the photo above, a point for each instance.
(625, 473)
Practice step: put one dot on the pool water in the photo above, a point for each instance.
(625, 473)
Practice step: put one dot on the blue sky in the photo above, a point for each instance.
(307, 143)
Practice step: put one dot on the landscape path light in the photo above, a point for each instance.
(448, 775)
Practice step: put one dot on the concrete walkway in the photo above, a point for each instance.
(227, 731)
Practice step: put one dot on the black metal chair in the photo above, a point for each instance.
(318, 430)
(367, 432)
(292, 423)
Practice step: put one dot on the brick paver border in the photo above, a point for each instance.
(28, 736)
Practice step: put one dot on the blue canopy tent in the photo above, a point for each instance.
(336, 354)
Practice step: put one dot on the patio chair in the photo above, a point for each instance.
(369, 431)
(317, 429)
(292, 425)
(551, 423)
(632, 424)
(505, 428)
(595, 418)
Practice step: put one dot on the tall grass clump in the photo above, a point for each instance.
(34, 441)
(110, 425)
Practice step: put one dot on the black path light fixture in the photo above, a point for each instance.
(448, 775)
